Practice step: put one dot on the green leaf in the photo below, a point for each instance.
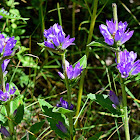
(6, 14)
(137, 138)
(3, 114)
(62, 110)
(105, 102)
(53, 118)
(19, 114)
(44, 103)
(14, 104)
(36, 127)
(83, 62)
(96, 136)
(57, 51)
(101, 43)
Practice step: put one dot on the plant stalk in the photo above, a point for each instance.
(92, 24)
(124, 96)
(69, 95)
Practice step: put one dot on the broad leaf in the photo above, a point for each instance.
(137, 138)
(83, 62)
(19, 114)
(53, 119)
(105, 102)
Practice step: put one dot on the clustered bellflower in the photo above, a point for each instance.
(4, 96)
(114, 99)
(61, 127)
(64, 104)
(6, 45)
(111, 33)
(127, 66)
(72, 73)
(56, 38)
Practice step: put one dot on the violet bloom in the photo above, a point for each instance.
(61, 127)
(4, 131)
(114, 99)
(72, 73)
(64, 104)
(6, 45)
(1, 16)
(56, 38)
(4, 64)
(111, 33)
(127, 66)
(4, 96)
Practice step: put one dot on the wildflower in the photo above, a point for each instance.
(1, 16)
(6, 45)
(64, 104)
(56, 38)
(4, 131)
(6, 95)
(61, 127)
(111, 33)
(127, 66)
(72, 73)
(4, 64)
(114, 99)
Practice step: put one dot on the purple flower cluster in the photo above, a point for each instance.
(111, 33)
(127, 66)
(114, 99)
(6, 45)
(4, 96)
(72, 73)
(61, 127)
(56, 38)
(64, 104)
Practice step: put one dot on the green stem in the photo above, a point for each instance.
(10, 122)
(92, 24)
(124, 96)
(69, 95)
(59, 14)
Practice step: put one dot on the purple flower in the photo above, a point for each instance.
(1, 16)
(61, 127)
(64, 104)
(4, 64)
(6, 45)
(114, 99)
(111, 33)
(56, 38)
(4, 96)
(4, 131)
(126, 65)
(72, 73)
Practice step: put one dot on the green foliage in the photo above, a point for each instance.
(96, 136)
(105, 102)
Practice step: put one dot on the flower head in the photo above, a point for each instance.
(56, 38)
(127, 66)
(4, 131)
(111, 33)
(61, 127)
(114, 99)
(72, 73)
(6, 45)
(4, 96)
(64, 104)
